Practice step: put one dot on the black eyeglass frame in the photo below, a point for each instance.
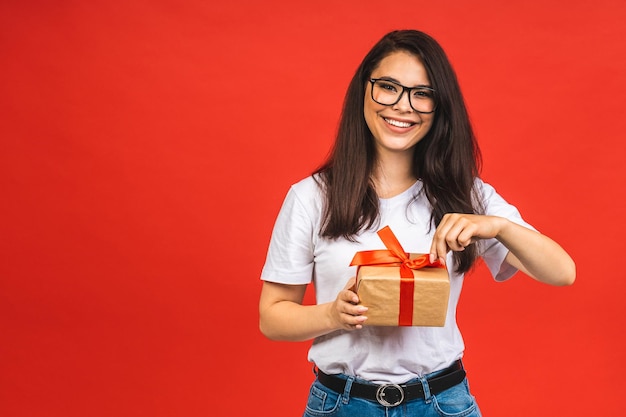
(404, 88)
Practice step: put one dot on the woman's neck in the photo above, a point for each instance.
(393, 175)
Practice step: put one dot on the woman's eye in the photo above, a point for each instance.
(387, 86)
(422, 93)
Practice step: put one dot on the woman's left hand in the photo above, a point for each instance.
(456, 231)
(529, 251)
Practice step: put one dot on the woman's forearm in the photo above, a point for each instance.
(287, 320)
(537, 255)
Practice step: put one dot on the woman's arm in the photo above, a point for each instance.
(529, 251)
(283, 317)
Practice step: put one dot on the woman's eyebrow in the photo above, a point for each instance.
(387, 78)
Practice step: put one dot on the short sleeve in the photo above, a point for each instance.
(290, 256)
(492, 251)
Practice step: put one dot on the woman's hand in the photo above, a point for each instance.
(457, 231)
(345, 311)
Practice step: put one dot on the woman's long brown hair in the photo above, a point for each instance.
(447, 159)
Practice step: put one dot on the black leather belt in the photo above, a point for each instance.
(391, 395)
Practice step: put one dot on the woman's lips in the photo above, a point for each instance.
(398, 123)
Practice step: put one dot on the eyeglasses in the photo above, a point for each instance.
(388, 93)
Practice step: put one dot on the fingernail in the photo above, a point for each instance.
(432, 258)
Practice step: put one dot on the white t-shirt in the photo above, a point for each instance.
(298, 255)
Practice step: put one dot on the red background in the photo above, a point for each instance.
(146, 147)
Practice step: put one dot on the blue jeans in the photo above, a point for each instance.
(456, 401)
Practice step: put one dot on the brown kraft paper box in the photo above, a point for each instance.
(378, 288)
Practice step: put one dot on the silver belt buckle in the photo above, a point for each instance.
(381, 395)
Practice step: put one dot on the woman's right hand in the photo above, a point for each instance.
(345, 311)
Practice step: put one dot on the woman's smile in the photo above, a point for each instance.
(398, 123)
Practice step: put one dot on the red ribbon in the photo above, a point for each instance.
(396, 256)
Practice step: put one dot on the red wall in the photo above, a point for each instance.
(145, 149)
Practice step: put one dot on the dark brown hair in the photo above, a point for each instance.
(447, 159)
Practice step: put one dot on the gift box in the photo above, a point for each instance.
(399, 288)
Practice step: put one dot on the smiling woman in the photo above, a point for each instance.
(146, 147)
(405, 157)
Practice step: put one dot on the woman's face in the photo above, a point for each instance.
(397, 127)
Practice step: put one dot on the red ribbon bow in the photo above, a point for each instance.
(396, 256)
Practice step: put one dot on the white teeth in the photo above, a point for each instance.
(397, 123)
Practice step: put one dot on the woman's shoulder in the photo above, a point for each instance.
(309, 187)
(306, 193)
(484, 189)
(493, 202)
(305, 197)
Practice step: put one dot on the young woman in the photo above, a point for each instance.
(405, 157)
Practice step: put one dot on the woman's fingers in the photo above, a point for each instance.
(348, 312)
(457, 231)
(439, 247)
